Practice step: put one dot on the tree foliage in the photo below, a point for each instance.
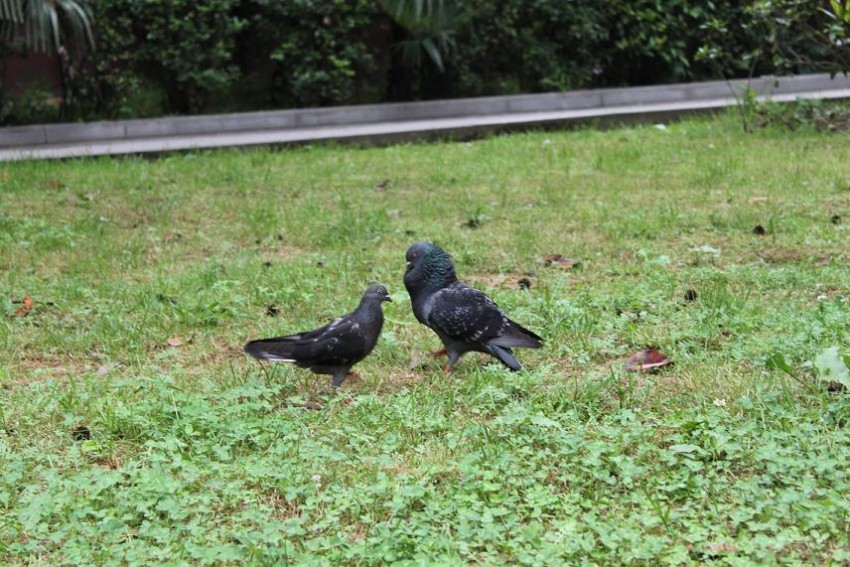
(187, 56)
(316, 48)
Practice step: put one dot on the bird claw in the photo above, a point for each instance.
(447, 369)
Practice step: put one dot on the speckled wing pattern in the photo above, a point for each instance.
(340, 342)
(466, 314)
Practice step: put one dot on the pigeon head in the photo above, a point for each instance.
(378, 293)
(428, 267)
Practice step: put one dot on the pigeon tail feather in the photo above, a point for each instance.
(505, 356)
(515, 335)
(274, 350)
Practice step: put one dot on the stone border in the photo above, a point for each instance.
(389, 122)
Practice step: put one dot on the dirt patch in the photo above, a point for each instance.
(394, 380)
(502, 281)
(35, 367)
(282, 509)
(783, 255)
(222, 354)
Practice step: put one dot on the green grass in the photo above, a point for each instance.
(119, 448)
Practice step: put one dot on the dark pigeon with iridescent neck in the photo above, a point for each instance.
(464, 318)
(334, 348)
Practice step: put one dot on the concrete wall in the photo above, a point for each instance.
(700, 95)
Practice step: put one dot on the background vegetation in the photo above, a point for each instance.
(152, 58)
(134, 430)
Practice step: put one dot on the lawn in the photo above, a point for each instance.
(133, 429)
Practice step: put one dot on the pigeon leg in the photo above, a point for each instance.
(438, 353)
(454, 356)
(339, 378)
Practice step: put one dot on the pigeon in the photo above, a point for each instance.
(334, 348)
(463, 317)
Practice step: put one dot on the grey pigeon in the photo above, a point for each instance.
(334, 348)
(463, 317)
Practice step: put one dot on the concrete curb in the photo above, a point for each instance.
(390, 122)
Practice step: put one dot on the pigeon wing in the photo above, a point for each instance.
(465, 314)
(338, 343)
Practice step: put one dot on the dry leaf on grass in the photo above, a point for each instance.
(722, 548)
(559, 261)
(308, 405)
(25, 308)
(648, 359)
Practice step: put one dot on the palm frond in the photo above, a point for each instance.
(11, 11)
(430, 25)
(45, 22)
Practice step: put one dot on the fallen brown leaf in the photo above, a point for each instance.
(648, 359)
(25, 308)
(559, 261)
(308, 405)
(175, 341)
(722, 548)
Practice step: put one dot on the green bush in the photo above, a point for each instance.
(35, 104)
(520, 46)
(157, 57)
(545, 45)
(185, 56)
(107, 82)
(316, 46)
(187, 46)
(773, 37)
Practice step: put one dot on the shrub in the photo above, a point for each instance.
(187, 56)
(316, 48)
(187, 46)
(106, 83)
(35, 104)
